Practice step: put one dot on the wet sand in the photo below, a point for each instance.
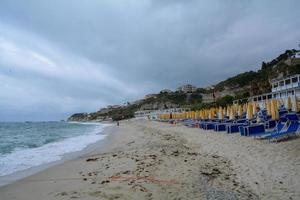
(152, 160)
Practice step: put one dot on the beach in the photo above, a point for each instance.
(143, 159)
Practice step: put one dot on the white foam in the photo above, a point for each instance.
(22, 159)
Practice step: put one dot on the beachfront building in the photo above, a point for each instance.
(281, 90)
(297, 55)
(166, 91)
(293, 60)
(143, 114)
(154, 114)
(113, 106)
(148, 96)
(187, 88)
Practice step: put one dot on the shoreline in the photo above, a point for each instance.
(151, 160)
(19, 175)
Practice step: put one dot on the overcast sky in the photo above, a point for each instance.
(63, 56)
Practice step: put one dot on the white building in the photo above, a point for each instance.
(113, 106)
(148, 96)
(281, 89)
(166, 91)
(297, 55)
(154, 114)
(187, 88)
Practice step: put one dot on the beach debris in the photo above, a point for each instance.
(153, 156)
(106, 181)
(126, 172)
(91, 159)
(129, 143)
(145, 178)
(211, 172)
(175, 153)
(192, 153)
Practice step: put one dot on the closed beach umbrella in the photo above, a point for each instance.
(269, 108)
(278, 103)
(296, 109)
(227, 111)
(274, 108)
(266, 104)
(240, 110)
(254, 108)
(245, 106)
(231, 113)
(250, 111)
(221, 114)
(289, 103)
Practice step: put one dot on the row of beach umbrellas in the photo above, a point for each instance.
(250, 109)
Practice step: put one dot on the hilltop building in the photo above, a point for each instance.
(113, 106)
(148, 96)
(166, 91)
(281, 89)
(154, 114)
(187, 88)
(293, 60)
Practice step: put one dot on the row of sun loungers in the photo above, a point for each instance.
(287, 125)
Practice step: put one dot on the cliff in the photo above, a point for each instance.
(240, 86)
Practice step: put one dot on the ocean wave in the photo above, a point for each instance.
(22, 159)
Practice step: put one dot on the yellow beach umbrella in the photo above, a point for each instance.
(296, 108)
(227, 111)
(231, 113)
(274, 110)
(249, 111)
(245, 106)
(289, 103)
(254, 108)
(210, 116)
(240, 113)
(278, 103)
(221, 115)
(269, 108)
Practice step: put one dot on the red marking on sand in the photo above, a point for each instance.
(145, 178)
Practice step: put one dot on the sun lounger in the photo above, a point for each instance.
(292, 130)
(220, 127)
(279, 127)
(234, 127)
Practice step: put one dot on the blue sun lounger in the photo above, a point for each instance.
(252, 129)
(292, 130)
(290, 126)
(234, 128)
(221, 127)
(209, 126)
(279, 127)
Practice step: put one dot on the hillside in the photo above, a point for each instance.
(240, 86)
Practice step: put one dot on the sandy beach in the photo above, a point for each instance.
(151, 160)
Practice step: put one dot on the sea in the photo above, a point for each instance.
(24, 145)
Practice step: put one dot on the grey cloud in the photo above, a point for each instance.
(146, 45)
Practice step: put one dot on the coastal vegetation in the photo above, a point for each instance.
(240, 86)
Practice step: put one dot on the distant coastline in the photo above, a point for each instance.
(24, 161)
(194, 98)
